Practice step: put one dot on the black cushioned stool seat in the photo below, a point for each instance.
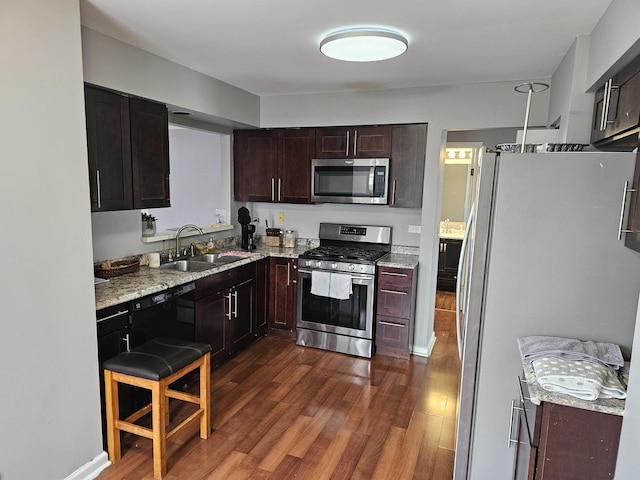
(155, 365)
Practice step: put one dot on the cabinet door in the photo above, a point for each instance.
(211, 324)
(255, 165)
(333, 142)
(408, 151)
(262, 296)
(525, 460)
(109, 150)
(282, 294)
(149, 153)
(295, 151)
(577, 444)
(243, 304)
(392, 333)
(448, 263)
(371, 142)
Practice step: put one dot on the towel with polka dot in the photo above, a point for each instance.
(580, 379)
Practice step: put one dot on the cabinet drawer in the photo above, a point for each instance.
(394, 276)
(112, 319)
(392, 332)
(394, 301)
(222, 280)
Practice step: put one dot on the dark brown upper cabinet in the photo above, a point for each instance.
(353, 142)
(128, 150)
(408, 151)
(273, 165)
(616, 112)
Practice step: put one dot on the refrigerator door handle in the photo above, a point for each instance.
(459, 279)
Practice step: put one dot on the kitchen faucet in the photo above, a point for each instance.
(188, 226)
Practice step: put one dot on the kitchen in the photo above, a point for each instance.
(68, 235)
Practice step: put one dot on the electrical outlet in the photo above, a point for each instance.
(280, 218)
(414, 228)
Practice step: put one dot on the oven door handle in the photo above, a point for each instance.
(356, 276)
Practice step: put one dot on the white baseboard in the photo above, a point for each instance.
(424, 351)
(92, 469)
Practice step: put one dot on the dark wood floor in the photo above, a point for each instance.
(281, 412)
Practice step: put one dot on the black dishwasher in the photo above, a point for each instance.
(163, 314)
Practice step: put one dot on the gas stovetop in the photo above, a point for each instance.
(348, 254)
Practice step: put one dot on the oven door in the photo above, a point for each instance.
(352, 317)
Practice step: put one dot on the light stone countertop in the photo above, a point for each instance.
(148, 281)
(398, 260)
(538, 395)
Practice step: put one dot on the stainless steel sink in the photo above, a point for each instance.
(186, 266)
(215, 258)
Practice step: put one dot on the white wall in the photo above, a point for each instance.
(571, 106)
(113, 64)
(49, 406)
(614, 41)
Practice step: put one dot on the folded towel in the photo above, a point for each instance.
(607, 354)
(340, 286)
(334, 285)
(580, 379)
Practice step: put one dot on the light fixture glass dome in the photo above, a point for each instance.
(364, 45)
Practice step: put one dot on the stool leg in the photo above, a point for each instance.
(158, 407)
(112, 414)
(205, 396)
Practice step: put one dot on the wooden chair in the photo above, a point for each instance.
(155, 365)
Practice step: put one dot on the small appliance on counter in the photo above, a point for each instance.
(248, 229)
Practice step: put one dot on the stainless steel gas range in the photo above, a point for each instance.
(336, 288)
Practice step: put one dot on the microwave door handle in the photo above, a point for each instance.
(372, 176)
(347, 151)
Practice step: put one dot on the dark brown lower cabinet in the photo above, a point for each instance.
(113, 338)
(395, 297)
(225, 311)
(283, 295)
(565, 443)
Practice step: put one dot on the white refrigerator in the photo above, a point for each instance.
(542, 258)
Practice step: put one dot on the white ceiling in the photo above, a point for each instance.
(270, 47)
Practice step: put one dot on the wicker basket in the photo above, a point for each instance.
(110, 269)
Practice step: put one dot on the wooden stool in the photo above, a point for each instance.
(154, 366)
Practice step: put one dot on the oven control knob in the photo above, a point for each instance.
(308, 263)
(334, 265)
(351, 266)
(318, 263)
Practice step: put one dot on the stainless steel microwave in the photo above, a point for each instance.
(350, 180)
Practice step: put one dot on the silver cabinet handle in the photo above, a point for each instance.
(622, 209)
(279, 189)
(393, 291)
(393, 194)
(603, 115)
(390, 324)
(273, 189)
(355, 142)
(394, 274)
(347, 152)
(228, 314)
(513, 410)
(235, 304)
(117, 314)
(126, 342)
(98, 187)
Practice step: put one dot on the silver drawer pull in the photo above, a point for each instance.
(392, 291)
(117, 314)
(390, 324)
(520, 382)
(393, 274)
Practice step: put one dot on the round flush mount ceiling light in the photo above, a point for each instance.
(364, 45)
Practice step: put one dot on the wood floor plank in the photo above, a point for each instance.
(281, 411)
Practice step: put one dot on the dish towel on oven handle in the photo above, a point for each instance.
(333, 285)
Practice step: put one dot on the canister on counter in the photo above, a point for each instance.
(290, 238)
